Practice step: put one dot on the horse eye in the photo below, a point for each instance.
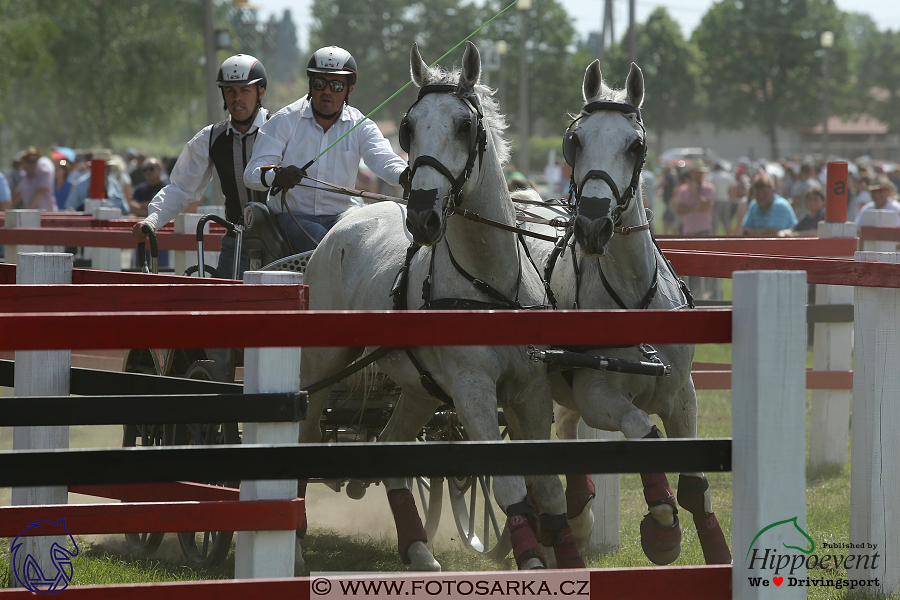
(635, 146)
(465, 127)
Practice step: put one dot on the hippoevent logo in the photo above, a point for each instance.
(29, 572)
(777, 566)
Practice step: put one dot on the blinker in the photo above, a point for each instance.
(594, 208)
(420, 200)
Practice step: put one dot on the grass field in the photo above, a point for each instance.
(355, 537)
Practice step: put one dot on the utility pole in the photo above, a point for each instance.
(607, 26)
(632, 33)
(211, 70)
(524, 126)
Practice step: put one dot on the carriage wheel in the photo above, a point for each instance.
(143, 545)
(205, 549)
(481, 526)
(429, 493)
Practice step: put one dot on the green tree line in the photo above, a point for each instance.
(107, 72)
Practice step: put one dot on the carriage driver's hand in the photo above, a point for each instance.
(287, 177)
(140, 236)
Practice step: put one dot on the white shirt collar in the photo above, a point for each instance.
(257, 122)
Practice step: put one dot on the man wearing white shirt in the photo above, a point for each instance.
(882, 199)
(303, 131)
(225, 146)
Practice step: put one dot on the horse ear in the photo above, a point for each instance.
(592, 81)
(417, 66)
(634, 85)
(471, 67)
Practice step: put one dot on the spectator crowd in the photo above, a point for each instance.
(60, 180)
(766, 200)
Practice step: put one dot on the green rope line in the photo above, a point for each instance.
(377, 108)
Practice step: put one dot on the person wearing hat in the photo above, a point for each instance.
(694, 200)
(768, 213)
(35, 190)
(226, 147)
(884, 197)
(299, 132)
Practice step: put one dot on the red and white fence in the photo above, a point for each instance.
(768, 386)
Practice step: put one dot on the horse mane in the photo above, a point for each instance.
(494, 119)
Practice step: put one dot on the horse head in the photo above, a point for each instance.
(444, 134)
(606, 146)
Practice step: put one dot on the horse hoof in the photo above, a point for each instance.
(583, 525)
(531, 564)
(712, 540)
(421, 559)
(662, 545)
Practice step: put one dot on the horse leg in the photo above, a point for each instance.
(603, 406)
(476, 403)
(547, 490)
(693, 488)
(407, 419)
(580, 491)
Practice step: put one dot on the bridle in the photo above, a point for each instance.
(570, 151)
(419, 200)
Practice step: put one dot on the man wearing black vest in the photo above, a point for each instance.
(227, 146)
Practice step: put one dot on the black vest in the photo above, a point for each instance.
(230, 154)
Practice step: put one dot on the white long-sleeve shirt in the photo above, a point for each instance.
(292, 137)
(192, 173)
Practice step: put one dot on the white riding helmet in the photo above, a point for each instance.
(241, 69)
(334, 60)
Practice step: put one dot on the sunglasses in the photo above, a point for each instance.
(148, 169)
(319, 84)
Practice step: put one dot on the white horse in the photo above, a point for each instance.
(613, 262)
(453, 134)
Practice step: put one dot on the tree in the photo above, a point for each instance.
(763, 62)
(672, 68)
(555, 67)
(109, 70)
(380, 34)
(879, 77)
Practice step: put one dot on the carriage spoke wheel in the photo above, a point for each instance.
(143, 545)
(481, 525)
(205, 549)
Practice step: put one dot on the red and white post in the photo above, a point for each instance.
(833, 342)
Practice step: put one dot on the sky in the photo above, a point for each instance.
(885, 13)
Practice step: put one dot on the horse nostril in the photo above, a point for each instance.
(433, 222)
(605, 231)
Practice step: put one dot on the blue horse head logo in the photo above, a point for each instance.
(29, 573)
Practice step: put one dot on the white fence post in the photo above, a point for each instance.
(605, 535)
(875, 457)
(832, 350)
(21, 217)
(106, 259)
(879, 218)
(768, 397)
(268, 370)
(41, 373)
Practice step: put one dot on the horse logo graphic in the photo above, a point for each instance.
(812, 544)
(30, 574)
